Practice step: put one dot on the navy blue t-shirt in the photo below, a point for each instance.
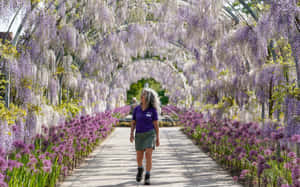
(144, 119)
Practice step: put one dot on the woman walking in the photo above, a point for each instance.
(145, 121)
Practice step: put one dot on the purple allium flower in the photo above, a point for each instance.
(292, 155)
(277, 135)
(260, 169)
(242, 155)
(296, 138)
(25, 151)
(64, 170)
(235, 178)
(254, 163)
(47, 163)
(47, 166)
(283, 147)
(19, 144)
(14, 164)
(239, 149)
(261, 158)
(42, 157)
(287, 165)
(253, 153)
(268, 152)
(32, 162)
(18, 156)
(279, 181)
(45, 129)
(267, 166)
(31, 147)
(2, 152)
(14, 128)
(3, 164)
(2, 177)
(244, 173)
(280, 160)
(3, 184)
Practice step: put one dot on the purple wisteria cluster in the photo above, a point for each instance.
(265, 159)
(55, 152)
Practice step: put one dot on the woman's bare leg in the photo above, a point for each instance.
(139, 158)
(149, 159)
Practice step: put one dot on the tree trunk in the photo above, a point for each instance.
(60, 89)
(7, 85)
(297, 69)
(271, 102)
(263, 112)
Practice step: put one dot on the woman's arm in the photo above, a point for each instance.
(132, 130)
(155, 123)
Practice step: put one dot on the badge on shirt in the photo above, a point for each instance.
(149, 114)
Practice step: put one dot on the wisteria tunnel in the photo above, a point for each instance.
(226, 72)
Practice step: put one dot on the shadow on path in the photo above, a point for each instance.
(176, 163)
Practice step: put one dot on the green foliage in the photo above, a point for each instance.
(3, 83)
(281, 91)
(8, 114)
(34, 108)
(164, 100)
(59, 71)
(255, 5)
(148, 55)
(11, 114)
(283, 53)
(136, 15)
(69, 108)
(7, 50)
(249, 8)
(223, 73)
(150, 17)
(136, 89)
(226, 104)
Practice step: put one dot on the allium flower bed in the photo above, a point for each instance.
(121, 112)
(52, 155)
(241, 148)
(171, 110)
